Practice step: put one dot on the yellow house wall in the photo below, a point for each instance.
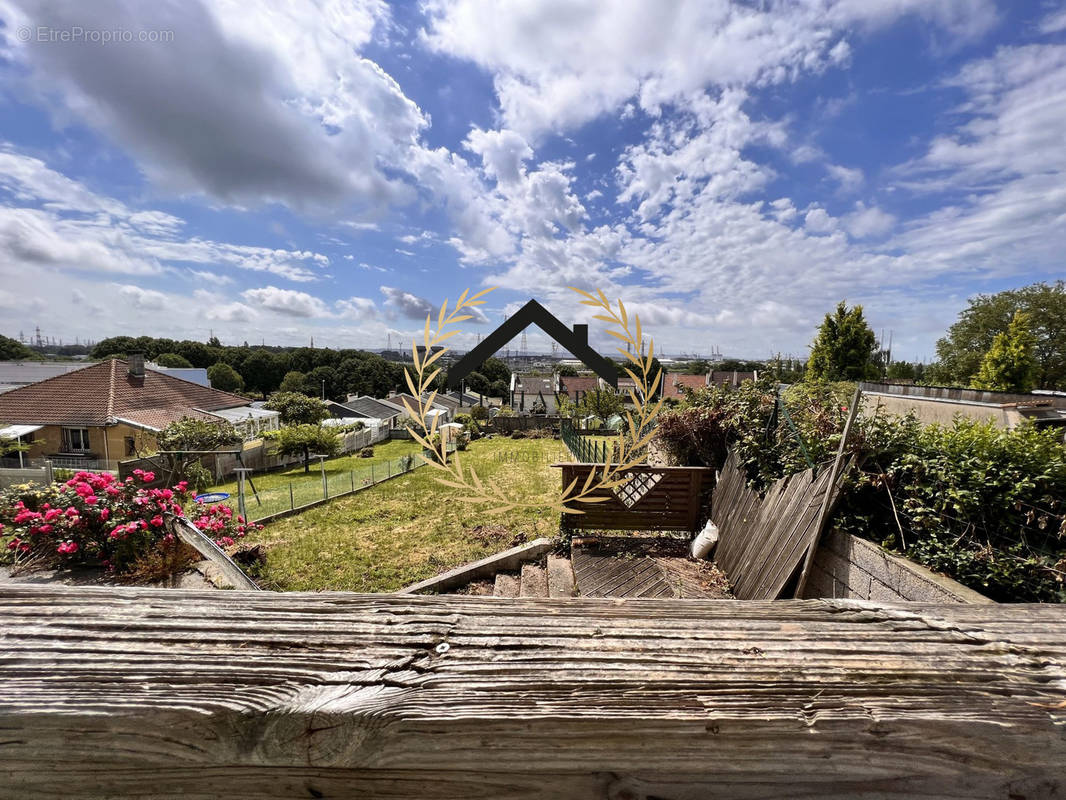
(105, 442)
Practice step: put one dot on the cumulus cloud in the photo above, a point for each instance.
(869, 221)
(286, 301)
(142, 298)
(413, 307)
(556, 68)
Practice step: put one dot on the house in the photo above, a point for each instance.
(730, 377)
(674, 384)
(22, 373)
(96, 415)
(436, 409)
(941, 404)
(534, 393)
(367, 407)
(575, 387)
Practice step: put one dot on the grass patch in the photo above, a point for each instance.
(412, 528)
(342, 474)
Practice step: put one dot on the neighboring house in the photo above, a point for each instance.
(97, 415)
(940, 404)
(397, 398)
(575, 387)
(366, 407)
(674, 384)
(23, 373)
(533, 391)
(730, 378)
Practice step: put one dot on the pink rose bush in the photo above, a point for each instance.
(94, 518)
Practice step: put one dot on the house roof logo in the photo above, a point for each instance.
(575, 341)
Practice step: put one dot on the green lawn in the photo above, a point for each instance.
(411, 528)
(342, 474)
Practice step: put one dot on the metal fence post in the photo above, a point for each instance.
(351, 475)
(372, 473)
(292, 498)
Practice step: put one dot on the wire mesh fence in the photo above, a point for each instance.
(319, 484)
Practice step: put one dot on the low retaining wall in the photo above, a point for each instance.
(846, 566)
(14, 477)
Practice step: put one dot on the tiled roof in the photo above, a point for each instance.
(101, 393)
(372, 408)
(578, 383)
(675, 383)
(729, 378)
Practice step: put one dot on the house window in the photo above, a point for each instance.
(75, 440)
(131, 446)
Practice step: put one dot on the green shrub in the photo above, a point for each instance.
(981, 504)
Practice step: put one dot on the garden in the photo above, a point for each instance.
(980, 504)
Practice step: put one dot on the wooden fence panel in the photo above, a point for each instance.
(116, 692)
(661, 499)
(763, 539)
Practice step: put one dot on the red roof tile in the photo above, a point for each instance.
(675, 383)
(101, 393)
(579, 383)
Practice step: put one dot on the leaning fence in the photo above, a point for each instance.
(319, 486)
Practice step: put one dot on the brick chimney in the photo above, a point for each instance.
(135, 365)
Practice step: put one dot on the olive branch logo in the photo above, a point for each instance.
(611, 475)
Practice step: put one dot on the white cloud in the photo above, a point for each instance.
(557, 67)
(818, 221)
(850, 179)
(357, 308)
(868, 221)
(142, 298)
(286, 301)
(1053, 22)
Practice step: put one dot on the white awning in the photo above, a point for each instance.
(18, 431)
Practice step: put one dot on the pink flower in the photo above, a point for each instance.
(51, 514)
(225, 541)
(66, 548)
(105, 513)
(116, 533)
(148, 477)
(92, 500)
(157, 521)
(44, 529)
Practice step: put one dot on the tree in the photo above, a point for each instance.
(602, 403)
(901, 371)
(566, 371)
(294, 381)
(478, 383)
(305, 440)
(324, 381)
(963, 350)
(173, 360)
(189, 435)
(224, 377)
(12, 349)
(495, 370)
(297, 409)
(259, 372)
(844, 349)
(1009, 365)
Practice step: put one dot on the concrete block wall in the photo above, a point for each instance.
(848, 567)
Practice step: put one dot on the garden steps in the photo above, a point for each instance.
(505, 585)
(560, 577)
(534, 581)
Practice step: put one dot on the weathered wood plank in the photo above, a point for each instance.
(150, 693)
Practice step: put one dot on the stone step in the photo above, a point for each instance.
(505, 586)
(560, 577)
(534, 581)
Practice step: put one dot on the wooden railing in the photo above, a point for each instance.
(654, 499)
(115, 692)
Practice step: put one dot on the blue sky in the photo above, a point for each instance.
(282, 169)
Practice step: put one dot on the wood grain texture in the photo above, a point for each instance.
(764, 539)
(675, 503)
(152, 693)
